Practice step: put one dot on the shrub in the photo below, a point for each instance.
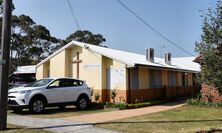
(113, 94)
(97, 96)
(144, 104)
(95, 105)
(108, 105)
(199, 95)
(121, 106)
(203, 103)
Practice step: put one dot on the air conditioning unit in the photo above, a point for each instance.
(150, 54)
(168, 58)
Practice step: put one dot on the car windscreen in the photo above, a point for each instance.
(39, 83)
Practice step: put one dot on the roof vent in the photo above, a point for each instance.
(150, 54)
(168, 58)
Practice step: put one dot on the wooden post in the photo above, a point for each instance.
(4, 64)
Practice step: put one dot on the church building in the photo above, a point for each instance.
(134, 76)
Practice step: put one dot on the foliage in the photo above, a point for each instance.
(96, 105)
(120, 106)
(83, 36)
(210, 47)
(123, 106)
(139, 100)
(203, 103)
(144, 104)
(87, 37)
(30, 42)
(1, 6)
(113, 94)
(199, 95)
(97, 96)
(109, 105)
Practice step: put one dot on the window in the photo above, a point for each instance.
(72, 82)
(172, 80)
(184, 79)
(57, 83)
(155, 79)
(38, 83)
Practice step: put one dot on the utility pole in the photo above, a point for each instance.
(4, 62)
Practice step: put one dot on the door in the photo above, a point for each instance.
(73, 89)
(56, 92)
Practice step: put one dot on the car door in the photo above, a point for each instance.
(56, 92)
(72, 88)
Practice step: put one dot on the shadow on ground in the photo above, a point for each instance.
(211, 131)
(69, 109)
(137, 122)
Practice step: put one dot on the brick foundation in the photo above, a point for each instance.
(210, 94)
(149, 94)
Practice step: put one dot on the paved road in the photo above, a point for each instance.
(120, 114)
(56, 125)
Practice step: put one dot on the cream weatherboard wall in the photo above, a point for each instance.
(42, 71)
(39, 72)
(110, 65)
(91, 68)
(58, 65)
(55, 67)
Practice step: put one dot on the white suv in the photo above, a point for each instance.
(49, 92)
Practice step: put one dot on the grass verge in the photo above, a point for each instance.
(184, 119)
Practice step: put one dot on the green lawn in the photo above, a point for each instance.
(55, 112)
(183, 119)
(18, 129)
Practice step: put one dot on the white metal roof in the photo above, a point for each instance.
(25, 69)
(132, 59)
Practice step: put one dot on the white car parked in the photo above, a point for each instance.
(49, 92)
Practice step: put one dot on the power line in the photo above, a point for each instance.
(74, 16)
(149, 26)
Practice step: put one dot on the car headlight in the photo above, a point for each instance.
(23, 92)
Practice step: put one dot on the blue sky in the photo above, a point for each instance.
(178, 20)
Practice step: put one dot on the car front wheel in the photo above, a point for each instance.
(37, 106)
